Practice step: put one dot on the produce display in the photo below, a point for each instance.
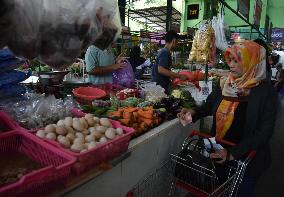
(14, 166)
(80, 134)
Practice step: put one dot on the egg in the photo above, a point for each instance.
(90, 138)
(91, 122)
(97, 120)
(101, 129)
(51, 136)
(97, 134)
(92, 145)
(85, 132)
(91, 129)
(40, 133)
(49, 128)
(70, 136)
(77, 125)
(68, 121)
(110, 133)
(119, 131)
(60, 123)
(84, 123)
(80, 135)
(103, 140)
(61, 130)
(105, 122)
(88, 116)
(78, 141)
(77, 147)
(64, 141)
(70, 130)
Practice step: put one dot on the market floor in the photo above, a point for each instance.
(271, 183)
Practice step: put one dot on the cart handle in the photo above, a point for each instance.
(194, 132)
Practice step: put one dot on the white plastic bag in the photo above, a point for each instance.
(218, 26)
(57, 31)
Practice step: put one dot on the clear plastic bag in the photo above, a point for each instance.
(124, 76)
(56, 32)
(218, 26)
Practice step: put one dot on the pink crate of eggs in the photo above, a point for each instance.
(90, 139)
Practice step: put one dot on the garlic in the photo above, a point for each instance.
(90, 138)
(78, 141)
(105, 122)
(96, 119)
(101, 129)
(61, 130)
(103, 140)
(60, 123)
(110, 133)
(88, 116)
(119, 131)
(59, 137)
(51, 136)
(68, 121)
(97, 134)
(85, 132)
(64, 141)
(91, 122)
(40, 133)
(84, 123)
(77, 147)
(70, 130)
(70, 136)
(49, 128)
(80, 135)
(91, 129)
(77, 125)
(84, 150)
(92, 145)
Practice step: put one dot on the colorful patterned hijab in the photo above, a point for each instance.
(252, 59)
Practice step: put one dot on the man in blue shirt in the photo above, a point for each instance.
(100, 64)
(161, 71)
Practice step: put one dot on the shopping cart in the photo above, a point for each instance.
(180, 178)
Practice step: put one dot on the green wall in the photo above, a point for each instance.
(275, 12)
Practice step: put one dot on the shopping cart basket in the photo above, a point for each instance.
(177, 177)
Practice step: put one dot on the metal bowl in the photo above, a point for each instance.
(52, 78)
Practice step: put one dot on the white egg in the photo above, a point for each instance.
(86, 132)
(49, 128)
(61, 130)
(51, 136)
(97, 120)
(84, 123)
(92, 145)
(103, 140)
(110, 133)
(60, 123)
(64, 141)
(70, 130)
(91, 122)
(90, 138)
(79, 141)
(119, 131)
(70, 136)
(68, 121)
(97, 134)
(77, 125)
(87, 116)
(40, 133)
(101, 129)
(80, 135)
(91, 129)
(105, 122)
(77, 147)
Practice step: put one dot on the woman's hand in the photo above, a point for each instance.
(222, 155)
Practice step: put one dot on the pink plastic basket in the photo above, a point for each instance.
(39, 182)
(101, 153)
(7, 123)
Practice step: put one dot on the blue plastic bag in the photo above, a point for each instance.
(7, 91)
(124, 76)
(13, 77)
(8, 61)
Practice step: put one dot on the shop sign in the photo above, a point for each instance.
(277, 35)
(257, 12)
(244, 7)
(192, 11)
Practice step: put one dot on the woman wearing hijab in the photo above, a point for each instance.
(244, 111)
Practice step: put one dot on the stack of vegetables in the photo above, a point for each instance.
(141, 119)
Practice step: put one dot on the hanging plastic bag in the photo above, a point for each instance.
(124, 76)
(218, 26)
(56, 32)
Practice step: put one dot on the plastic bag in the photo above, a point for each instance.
(218, 26)
(124, 76)
(12, 90)
(56, 32)
(13, 77)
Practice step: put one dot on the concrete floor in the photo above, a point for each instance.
(271, 183)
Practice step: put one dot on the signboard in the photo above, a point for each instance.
(257, 13)
(192, 11)
(244, 7)
(277, 35)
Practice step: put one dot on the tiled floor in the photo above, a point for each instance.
(272, 182)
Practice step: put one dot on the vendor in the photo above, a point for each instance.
(161, 71)
(100, 64)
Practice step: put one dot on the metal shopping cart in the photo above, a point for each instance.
(181, 176)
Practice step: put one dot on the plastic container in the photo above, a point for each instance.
(7, 123)
(39, 182)
(101, 153)
(85, 95)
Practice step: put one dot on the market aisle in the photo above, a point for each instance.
(271, 183)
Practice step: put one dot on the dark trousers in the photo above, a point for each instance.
(247, 187)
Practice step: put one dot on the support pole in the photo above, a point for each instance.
(169, 15)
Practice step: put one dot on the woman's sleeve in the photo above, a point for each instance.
(91, 59)
(207, 108)
(264, 129)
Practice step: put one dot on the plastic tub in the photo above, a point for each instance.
(54, 174)
(85, 95)
(7, 123)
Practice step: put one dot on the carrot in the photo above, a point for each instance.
(148, 122)
(145, 114)
(127, 115)
(131, 109)
(125, 121)
(115, 114)
(135, 116)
